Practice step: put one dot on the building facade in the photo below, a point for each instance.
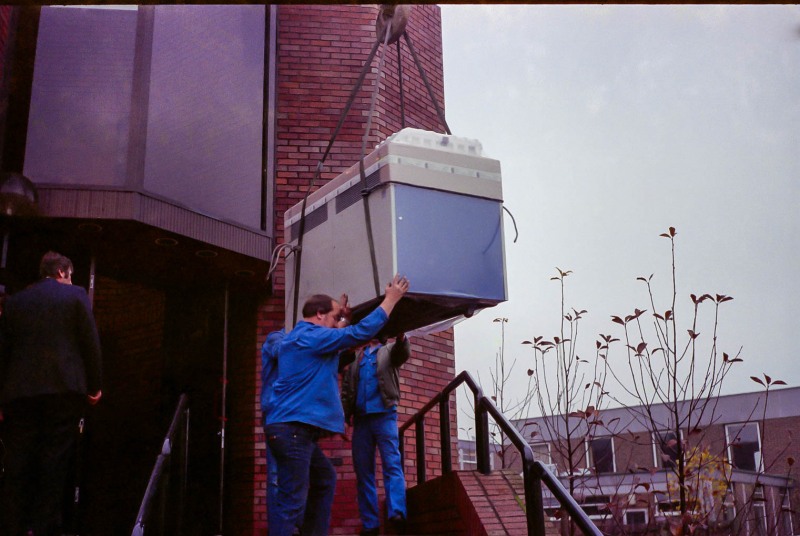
(165, 144)
(739, 464)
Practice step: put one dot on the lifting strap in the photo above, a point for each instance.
(364, 190)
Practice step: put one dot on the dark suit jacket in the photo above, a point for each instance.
(48, 343)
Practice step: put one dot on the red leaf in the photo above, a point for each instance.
(779, 382)
(618, 320)
(530, 372)
(757, 380)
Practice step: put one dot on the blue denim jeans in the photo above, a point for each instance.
(369, 431)
(306, 480)
(272, 484)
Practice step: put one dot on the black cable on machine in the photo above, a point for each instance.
(364, 190)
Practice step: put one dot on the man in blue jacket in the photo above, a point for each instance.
(49, 369)
(370, 394)
(269, 373)
(305, 406)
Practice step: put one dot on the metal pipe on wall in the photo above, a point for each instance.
(223, 417)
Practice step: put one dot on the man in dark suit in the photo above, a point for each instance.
(50, 367)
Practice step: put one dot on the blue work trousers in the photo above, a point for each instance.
(369, 431)
(272, 484)
(306, 480)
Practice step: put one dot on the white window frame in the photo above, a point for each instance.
(539, 444)
(591, 502)
(636, 510)
(730, 441)
(785, 512)
(665, 513)
(760, 517)
(590, 458)
(658, 462)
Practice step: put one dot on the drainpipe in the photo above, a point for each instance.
(223, 417)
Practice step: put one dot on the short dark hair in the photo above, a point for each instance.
(52, 262)
(318, 303)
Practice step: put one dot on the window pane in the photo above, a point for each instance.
(666, 449)
(601, 452)
(205, 118)
(79, 119)
(636, 517)
(541, 452)
(744, 447)
(168, 99)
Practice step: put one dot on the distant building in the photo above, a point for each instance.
(623, 472)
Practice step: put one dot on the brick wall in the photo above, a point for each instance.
(321, 51)
(131, 418)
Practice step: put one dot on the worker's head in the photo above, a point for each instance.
(56, 266)
(322, 310)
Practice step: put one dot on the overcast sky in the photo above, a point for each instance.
(613, 123)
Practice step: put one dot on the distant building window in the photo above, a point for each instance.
(541, 453)
(744, 446)
(786, 511)
(596, 506)
(636, 517)
(729, 505)
(759, 519)
(600, 454)
(665, 449)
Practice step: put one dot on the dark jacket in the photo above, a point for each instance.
(389, 359)
(48, 343)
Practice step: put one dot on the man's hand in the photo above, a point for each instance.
(394, 291)
(95, 398)
(396, 288)
(345, 312)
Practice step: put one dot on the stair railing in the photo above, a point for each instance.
(174, 452)
(533, 472)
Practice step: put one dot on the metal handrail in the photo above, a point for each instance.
(533, 472)
(159, 472)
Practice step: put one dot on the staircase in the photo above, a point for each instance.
(482, 502)
(470, 503)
